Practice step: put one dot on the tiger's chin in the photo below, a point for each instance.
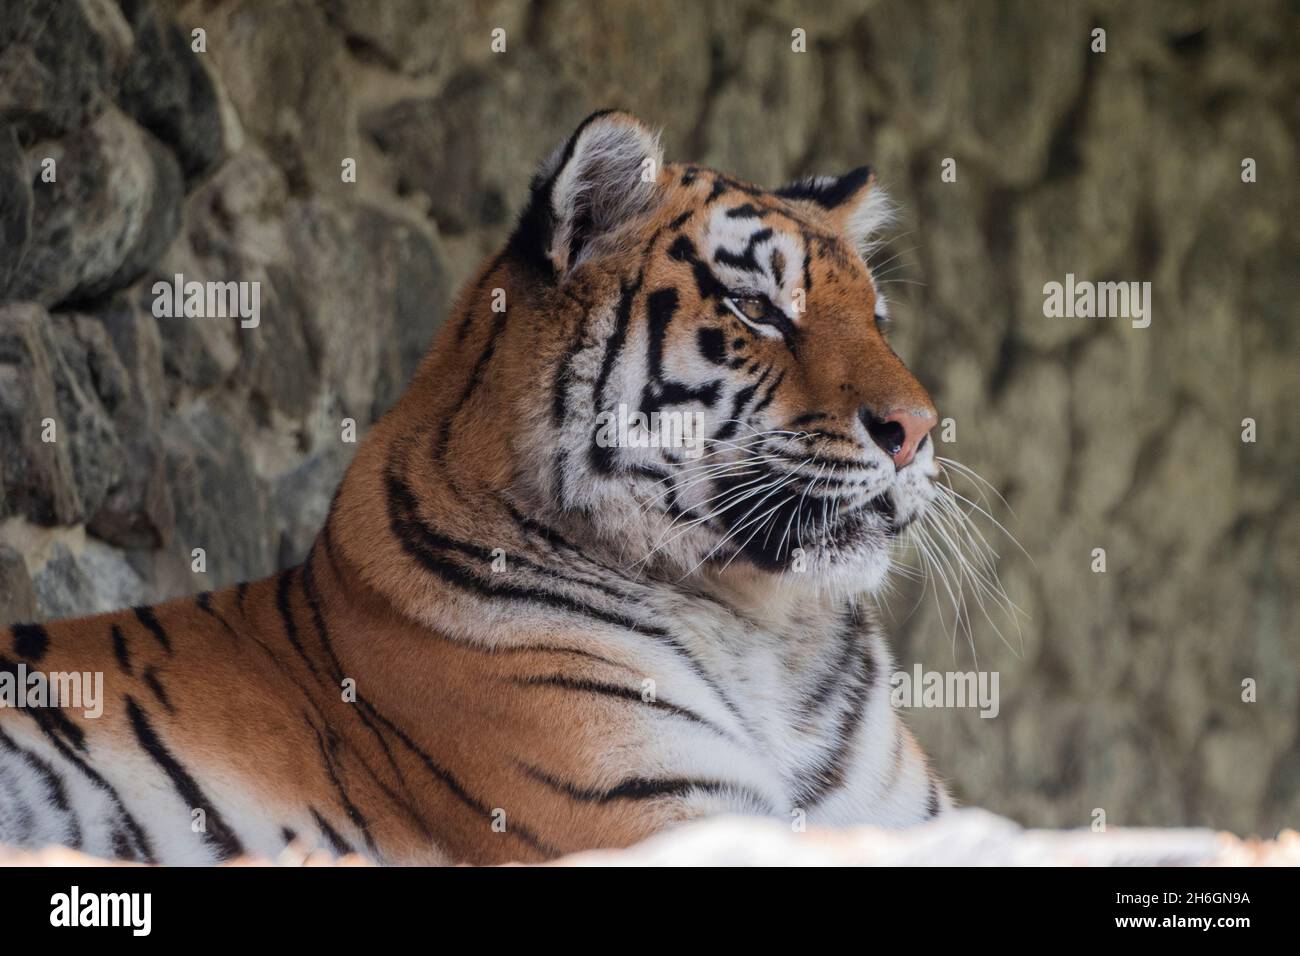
(850, 554)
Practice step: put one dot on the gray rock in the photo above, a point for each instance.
(302, 500)
(233, 230)
(452, 150)
(15, 208)
(17, 600)
(137, 512)
(420, 38)
(277, 364)
(170, 92)
(95, 580)
(418, 298)
(112, 211)
(62, 587)
(87, 376)
(285, 71)
(55, 66)
(38, 476)
(404, 298)
(220, 505)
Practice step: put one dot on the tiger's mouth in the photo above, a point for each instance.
(765, 503)
(777, 519)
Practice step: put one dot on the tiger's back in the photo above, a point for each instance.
(232, 725)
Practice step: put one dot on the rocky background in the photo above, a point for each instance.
(1123, 692)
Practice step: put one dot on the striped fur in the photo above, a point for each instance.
(511, 641)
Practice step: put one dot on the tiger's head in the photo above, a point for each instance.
(721, 396)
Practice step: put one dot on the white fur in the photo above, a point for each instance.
(603, 179)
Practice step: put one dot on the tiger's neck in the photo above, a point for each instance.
(462, 473)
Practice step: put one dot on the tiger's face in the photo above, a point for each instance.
(731, 404)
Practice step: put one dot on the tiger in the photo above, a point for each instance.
(532, 623)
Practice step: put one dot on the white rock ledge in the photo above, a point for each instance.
(966, 837)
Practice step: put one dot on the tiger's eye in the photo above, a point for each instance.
(752, 308)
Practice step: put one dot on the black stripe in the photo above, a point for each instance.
(362, 712)
(336, 842)
(932, 804)
(468, 318)
(531, 238)
(52, 720)
(155, 685)
(840, 670)
(738, 403)
(53, 784)
(312, 597)
(602, 458)
(30, 641)
(120, 649)
(429, 548)
(617, 691)
(830, 773)
(661, 306)
(217, 834)
(294, 680)
(645, 788)
(358, 819)
(475, 379)
(20, 814)
(204, 601)
(44, 720)
(746, 261)
(422, 541)
(769, 394)
(283, 582)
(558, 543)
(147, 617)
(830, 191)
(449, 780)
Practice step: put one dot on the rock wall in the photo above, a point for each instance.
(1124, 690)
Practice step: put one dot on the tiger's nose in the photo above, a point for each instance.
(898, 433)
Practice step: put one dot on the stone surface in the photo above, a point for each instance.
(112, 210)
(220, 505)
(17, 599)
(15, 209)
(57, 58)
(95, 576)
(168, 89)
(286, 72)
(302, 500)
(137, 511)
(39, 478)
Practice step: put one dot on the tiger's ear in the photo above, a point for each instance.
(605, 176)
(854, 203)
